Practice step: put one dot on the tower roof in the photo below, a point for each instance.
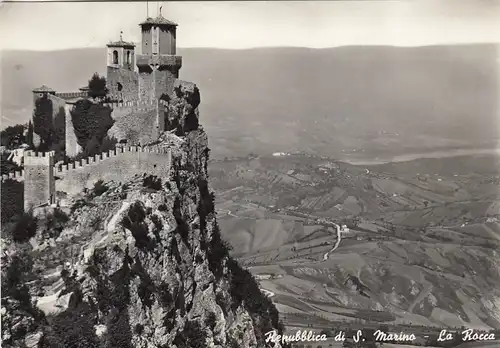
(160, 20)
(120, 43)
(43, 88)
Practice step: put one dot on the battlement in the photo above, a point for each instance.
(132, 105)
(162, 60)
(72, 95)
(65, 168)
(32, 158)
(17, 175)
(31, 153)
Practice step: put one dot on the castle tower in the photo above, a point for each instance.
(121, 79)
(41, 92)
(158, 63)
(39, 184)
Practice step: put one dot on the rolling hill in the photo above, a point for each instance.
(339, 102)
(424, 251)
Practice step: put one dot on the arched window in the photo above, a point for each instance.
(115, 57)
(129, 58)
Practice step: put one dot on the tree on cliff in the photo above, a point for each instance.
(42, 121)
(29, 135)
(91, 123)
(13, 136)
(97, 86)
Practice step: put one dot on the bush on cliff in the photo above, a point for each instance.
(91, 123)
(55, 222)
(99, 188)
(72, 328)
(134, 222)
(152, 182)
(14, 273)
(19, 316)
(218, 249)
(192, 336)
(25, 227)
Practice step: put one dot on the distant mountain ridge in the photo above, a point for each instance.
(366, 100)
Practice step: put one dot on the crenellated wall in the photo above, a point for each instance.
(132, 106)
(17, 175)
(41, 178)
(118, 165)
(72, 95)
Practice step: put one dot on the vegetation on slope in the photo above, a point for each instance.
(91, 122)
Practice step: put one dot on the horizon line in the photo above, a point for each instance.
(268, 47)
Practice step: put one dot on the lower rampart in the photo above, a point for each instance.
(119, 165)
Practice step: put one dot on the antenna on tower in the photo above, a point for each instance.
(121, 35)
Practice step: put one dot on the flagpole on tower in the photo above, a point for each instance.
(147, 9)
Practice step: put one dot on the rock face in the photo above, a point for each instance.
(181, 111)
(152, 270)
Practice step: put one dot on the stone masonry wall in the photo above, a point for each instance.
(164, 82)
(58, 104)
(41, 179)
(146, 87)
(38, 178)
(72, 147)
(136, 127)
(129, 84)
(118, 165)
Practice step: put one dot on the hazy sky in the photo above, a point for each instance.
(47, 26)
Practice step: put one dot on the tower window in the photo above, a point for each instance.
(129, 60)
(115, 57)
(120, 87)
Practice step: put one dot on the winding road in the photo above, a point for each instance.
(339, 237)
(269, 293)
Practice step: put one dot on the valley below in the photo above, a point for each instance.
(419, 246)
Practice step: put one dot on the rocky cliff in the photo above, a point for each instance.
(137, 264)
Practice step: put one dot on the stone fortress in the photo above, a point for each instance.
(139, 86)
